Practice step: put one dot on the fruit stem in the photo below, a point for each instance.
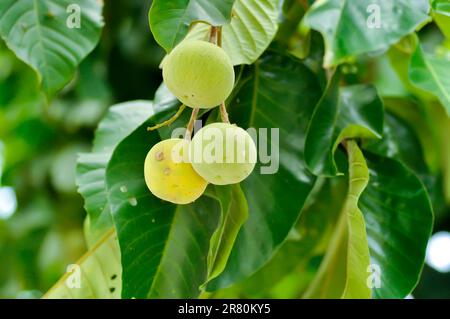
(169, 121)
(215, 36)
(190, 126)
(224, 113)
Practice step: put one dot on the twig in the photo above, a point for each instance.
(190, 126)
(213, 35)
(169, 121)
(224, 113)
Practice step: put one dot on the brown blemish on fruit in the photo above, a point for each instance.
(166, 171)
(159, 156)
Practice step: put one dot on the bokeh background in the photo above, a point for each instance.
(41, 213)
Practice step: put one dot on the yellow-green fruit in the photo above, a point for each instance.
(223, 153)
(200, 74)
(169, 176)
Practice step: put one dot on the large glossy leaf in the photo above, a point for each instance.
(97, 275)
(343, 271)
(253, 26)
(430, 73)
(277, 92)
(121, 120)
(399, 142)
(352, 28)
(39, 34)
(342, 113)
(170, 20)
(399, 220)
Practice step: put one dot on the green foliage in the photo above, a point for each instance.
(252, 28)
(430, 73)
(342, 113)
(170, 20)
(37, 32)
(120, 121)
(358, 95)
(352, 28)
(98, 273)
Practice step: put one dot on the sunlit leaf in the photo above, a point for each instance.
(45, 35)
(170, 20)
(234, 212)
(97, 275)
(430, 73)
(120, 121)
(343, 271)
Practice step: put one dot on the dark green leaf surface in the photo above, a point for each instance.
(350, 28)
(399, 220)
(170, 20)
(121, 120)
(277, 92)
(342, 113)
(399, 142)
(164, 247)
(358, 258)
(38, 33)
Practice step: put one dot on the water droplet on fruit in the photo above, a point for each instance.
(166, 171)
(123, 189)
(133, 201)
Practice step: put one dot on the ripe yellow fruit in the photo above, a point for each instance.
(223, 153)
(200, 74)
(169, 176)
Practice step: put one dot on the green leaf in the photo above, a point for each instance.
(164, 247)
(343, 271)
(353, 28)
(252, 28)
(399, 220)
(39, 34)
(430, 73)
(293, 266)
(170, 20)
(399, 142)
(278, 91)
(98, 273)
(358, 258)
(441, 15)
(342, 113)
(234, 213)
(119, 122)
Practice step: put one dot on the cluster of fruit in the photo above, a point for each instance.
(201, 75)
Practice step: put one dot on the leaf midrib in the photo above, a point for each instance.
(41, 43)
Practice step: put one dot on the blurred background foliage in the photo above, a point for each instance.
(39, 142)
(41, 213)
